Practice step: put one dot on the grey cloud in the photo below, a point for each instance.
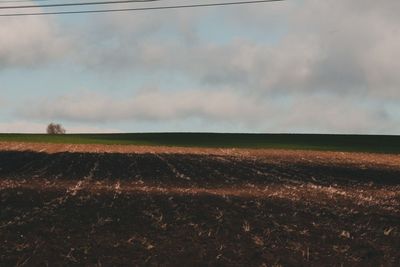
(335, 46)
(337, 62)
(340, 47)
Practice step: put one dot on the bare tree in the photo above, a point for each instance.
(54, 128)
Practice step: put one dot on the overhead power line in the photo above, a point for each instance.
(26, 1)
(23, 1)
(78, 4)
(137, 8)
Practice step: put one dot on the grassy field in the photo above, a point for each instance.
(356, 143)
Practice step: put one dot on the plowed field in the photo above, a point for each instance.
(97, 205)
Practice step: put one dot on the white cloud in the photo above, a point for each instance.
(149, 104)
(30, 41)
(332, 68)
(232, 108)
(23, 126)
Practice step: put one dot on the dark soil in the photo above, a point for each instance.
(208, 208)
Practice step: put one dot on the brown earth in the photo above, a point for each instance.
(101, 205)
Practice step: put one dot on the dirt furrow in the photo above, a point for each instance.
(83, 205)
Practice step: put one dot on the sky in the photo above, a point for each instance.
(296, 66)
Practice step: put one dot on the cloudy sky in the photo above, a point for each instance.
(313, 66)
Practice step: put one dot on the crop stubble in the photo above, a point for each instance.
(97, 205)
